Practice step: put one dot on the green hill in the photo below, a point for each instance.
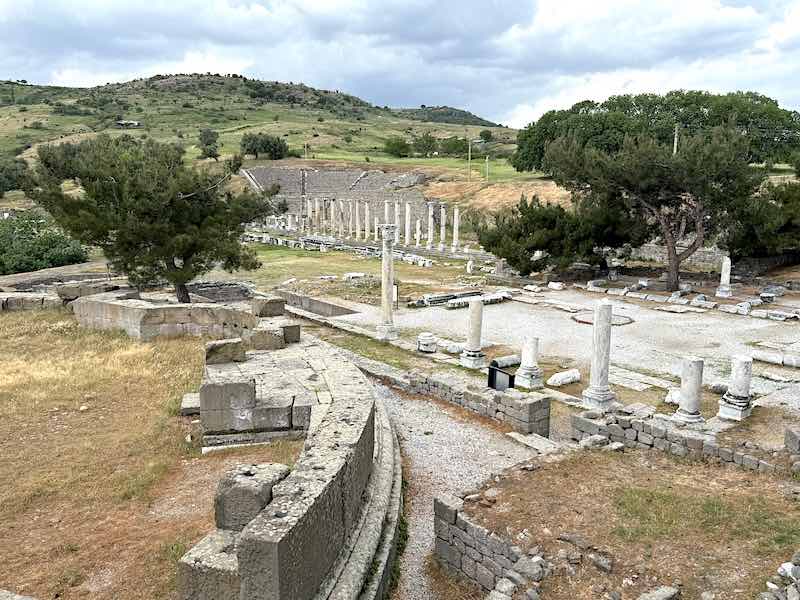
(174, 108)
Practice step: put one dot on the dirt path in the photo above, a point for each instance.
(443, 452)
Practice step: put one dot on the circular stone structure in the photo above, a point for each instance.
(587, 318)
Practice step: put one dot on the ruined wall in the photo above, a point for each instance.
(705, 259)
(145, 320)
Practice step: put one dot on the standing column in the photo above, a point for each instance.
(386, 329)
(408, 224)
(456, 225)
(472, 357)
(350, 217)
(340, 218)
(691, 391)
(309, 212)
(735, 403)
(429, 242)
(418, 234)
(376, 229)
(358, 221)
(397, 222)
(367, 222)
(724, 289)
(529, 374)
(442, 227)
(386, 211)
(599, 394)
(316, 216)
(289, 222)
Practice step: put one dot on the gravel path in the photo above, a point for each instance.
(442, 454)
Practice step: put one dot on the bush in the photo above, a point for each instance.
(486, 135)
(32, 241)
(397, 146)
(12, 174)
(261, 143)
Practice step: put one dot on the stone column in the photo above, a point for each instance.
(290, 222)
(358, 221)
(366, 222)
(316, 216)
(472, 357)
(418, 233)
(442, 227)
(735, 403)
(386, 329)
(309, 212)
(340, 218)
(386, 211)
(429, 242)
(456, 225)
(691, 391)
(376, 229)
(470, 266)
(350, 217)
(724, 289)
(599, 394)
(397, 222)
(529, 374)
(408, 224)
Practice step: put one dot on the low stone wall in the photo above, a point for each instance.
(636, 426)
(148, 320)
(330, 526)
(14, 301)
(706, 259)
(320, 307)
(524, 412)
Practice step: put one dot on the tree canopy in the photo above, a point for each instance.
(271, 146)
(692, 194)
(397, 147)
(773, 133)
(31, 241)
(12, 174)
(155, 219)
(209, 146)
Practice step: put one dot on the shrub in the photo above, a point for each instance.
(397, 146)
(32, 241)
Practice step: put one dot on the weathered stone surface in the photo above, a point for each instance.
(225, 351)
(209, 571)
(791, 440)
(243, 492)
(267, 338)
(662, 593)
(267, 306)
(564, 378)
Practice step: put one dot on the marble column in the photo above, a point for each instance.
(529, 374)
(418, 233)
(350, 219)
(289, 222)
(386, 329)
(357, 232)
(470, 266)
(724, 289)
(397, 222)
(429, 241)
(376, 229)
(309, 212)
(340, 218)
(691, 391)
(735, 403)
(456, 225)
(386, 211)
(472, 357)
(317, 219)
(366, 221)
(408, 224)
(442, 227)
(599, 394)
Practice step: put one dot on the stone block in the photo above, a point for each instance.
(267, 338)
(791, 439)
(243, 492)
(484, 577)
(209, 571)
(446, 507)
(291, 331)
(267, 306)
(225, 351)
(301, 411)
(220, 396)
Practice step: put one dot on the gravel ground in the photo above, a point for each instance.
(442, 453)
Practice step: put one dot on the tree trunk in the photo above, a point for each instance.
(673, 267)
(183, 293)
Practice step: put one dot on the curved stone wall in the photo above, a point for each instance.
(330, 527)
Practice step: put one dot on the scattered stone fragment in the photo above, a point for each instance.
(564, 378)
(662, 593)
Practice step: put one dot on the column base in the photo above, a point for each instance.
(441, 247)
(529, 378)
(599, 398)
(429, 246)
(454, 249)
(724, 291)
(387, 332)
(733, 408)
(686, 417)
(472, 360)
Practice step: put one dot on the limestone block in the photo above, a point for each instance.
(273, 413)
(267, 338)
(791, 440)
(267, 306)
(225, 351)
(301, 411)
(774, 357)
(243, 492)
(291, 331)
(209, 571)
(224, 395)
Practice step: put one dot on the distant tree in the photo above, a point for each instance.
(773, 133)
(257, 144)
(154, 218)
(397, 146)
(209, 148)
(698, 191)
(13, 172)
(425, 144)
(453, 146)
(32, 241)
(486, 135)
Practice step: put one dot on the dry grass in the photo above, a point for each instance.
(100, 501)
(447, 586)
(663, 520)
(492, 197)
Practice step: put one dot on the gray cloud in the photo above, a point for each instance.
(504, 59)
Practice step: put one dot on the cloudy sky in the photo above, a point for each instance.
(507, 60)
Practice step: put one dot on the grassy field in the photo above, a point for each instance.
(99, 483)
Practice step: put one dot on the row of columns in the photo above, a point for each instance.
(331, 216)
